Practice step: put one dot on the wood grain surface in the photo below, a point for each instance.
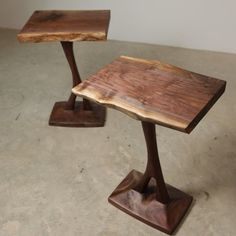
(46, 26)
(145, 207)
(153, 91)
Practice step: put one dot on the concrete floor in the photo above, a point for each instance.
(55, 181)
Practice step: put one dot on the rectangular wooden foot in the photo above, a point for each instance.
(78, 117)
(145, 207)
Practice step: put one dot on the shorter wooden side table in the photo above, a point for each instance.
(67, 27)
(154, 93)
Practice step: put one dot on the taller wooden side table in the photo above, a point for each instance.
(155, 93)
(67, 27)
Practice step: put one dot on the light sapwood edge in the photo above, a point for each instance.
(160, 63)
(61, 36)
(157, 118)
(150, 62)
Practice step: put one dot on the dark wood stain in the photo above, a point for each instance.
(147, 197)
(76, 114)
(52, 17)
(46, 26)
(154, 91)
(66, 27)
(77, 117)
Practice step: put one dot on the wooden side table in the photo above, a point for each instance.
(155, 93)
(67, 27)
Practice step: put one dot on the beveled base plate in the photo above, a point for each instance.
(77, 117)
(145, 207)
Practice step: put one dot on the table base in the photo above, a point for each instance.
(145, 207)
(78, 117)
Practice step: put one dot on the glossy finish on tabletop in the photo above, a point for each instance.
(154, 91)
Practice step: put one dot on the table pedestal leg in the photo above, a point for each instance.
(147, 197)
(72, 113)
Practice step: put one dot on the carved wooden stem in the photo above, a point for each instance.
(69, 53)
(153, 168)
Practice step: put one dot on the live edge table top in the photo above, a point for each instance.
(46, 26)
(153, 91)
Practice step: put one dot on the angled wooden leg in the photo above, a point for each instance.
(76, 114)
(147, 197)
(153, 168)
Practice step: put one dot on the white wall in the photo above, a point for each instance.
(200, 24)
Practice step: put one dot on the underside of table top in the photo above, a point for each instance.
(153, 91)
(54, 25)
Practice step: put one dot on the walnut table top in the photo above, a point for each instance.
(46, 26)
(153, 91)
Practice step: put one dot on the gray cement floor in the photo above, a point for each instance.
(55, 181)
